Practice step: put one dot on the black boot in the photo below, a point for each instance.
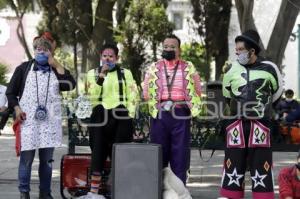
(44, 195)
(24, 195)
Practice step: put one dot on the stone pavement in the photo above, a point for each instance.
(203, 183)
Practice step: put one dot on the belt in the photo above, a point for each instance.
(177, 104)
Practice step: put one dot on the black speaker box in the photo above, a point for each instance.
(137, 171)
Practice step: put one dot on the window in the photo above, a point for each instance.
(178, 21)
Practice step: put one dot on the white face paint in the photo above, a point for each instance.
(243, 58)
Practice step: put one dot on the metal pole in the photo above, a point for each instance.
(298, 37)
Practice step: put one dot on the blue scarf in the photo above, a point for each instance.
(43, 68)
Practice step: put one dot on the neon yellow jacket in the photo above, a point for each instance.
(152, 87)
(110, 90)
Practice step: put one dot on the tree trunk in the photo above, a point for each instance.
(164, 2)
(217, 26)
(52, 11)
(154, 50)
(122, 6)
(285, 22)
(245, 10)
(103, 31)
(20, 27)
(84, 47)
(221, 58)
(213, 17)
(21, 37)
(75, 64)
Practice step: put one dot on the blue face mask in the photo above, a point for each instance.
(41, 59)
(110, 65)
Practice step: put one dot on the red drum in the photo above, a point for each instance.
(292, 132)
(75, 175)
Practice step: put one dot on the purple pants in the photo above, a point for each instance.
(172, 131)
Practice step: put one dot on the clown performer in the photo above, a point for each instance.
(251, 86)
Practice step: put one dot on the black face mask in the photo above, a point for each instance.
(168, 54)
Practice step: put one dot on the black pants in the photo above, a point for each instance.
(248, 145)
(109, 127)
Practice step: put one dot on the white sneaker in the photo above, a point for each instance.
(91, 195)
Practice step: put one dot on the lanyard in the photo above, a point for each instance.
(37, 89)
(170, 84)
(121, 77)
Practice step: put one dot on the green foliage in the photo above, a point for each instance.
(65, 58)
(85, 25)
(212, 18)
(3, 4)
(3, 71)
(69, 19)
(196, 53)
(145, 26)
(20, 6)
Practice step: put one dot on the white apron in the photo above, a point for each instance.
(41, 134)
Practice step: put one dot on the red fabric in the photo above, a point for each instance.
(48, 36)
(17, 131)
(231, 194)
(289, 185)
(263, 195)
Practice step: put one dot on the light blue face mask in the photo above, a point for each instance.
(243, 58)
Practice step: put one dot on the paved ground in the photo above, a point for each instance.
(203, 183)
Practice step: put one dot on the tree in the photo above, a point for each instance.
(212, 18)
(122, 7)
(288, 12)
(3, 4)
(20, 7)
(74, 22)
(145, 26)
(3, 71)
(196, 54)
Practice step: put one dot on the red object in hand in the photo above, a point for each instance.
(17, 131)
